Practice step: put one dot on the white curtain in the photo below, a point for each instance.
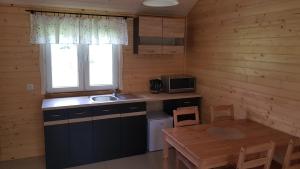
(71, 29)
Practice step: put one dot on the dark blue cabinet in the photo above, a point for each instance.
(56, 146)
(80, 143)
(107, 139)
(106, 132)
(133, 135)
(133, 129)
(80, 136)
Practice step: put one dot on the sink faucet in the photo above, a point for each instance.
(116, 92)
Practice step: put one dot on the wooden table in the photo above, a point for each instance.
(206, 150)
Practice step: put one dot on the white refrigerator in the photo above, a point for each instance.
(156, 122)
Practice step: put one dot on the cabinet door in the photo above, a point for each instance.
(56, 146)
(150, 26)
(107, 139)
(133, 135)
(81, 143)
(173, 27)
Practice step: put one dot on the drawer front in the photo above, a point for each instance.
(80, 113)
(65, 114)
(105, 110)
(132, 107)
(53, 115)
(170, 105)
(187, 102)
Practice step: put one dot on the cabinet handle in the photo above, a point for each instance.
(107, 110)
(81, 113)
(133, 108)
(56, 115)
(187, 102)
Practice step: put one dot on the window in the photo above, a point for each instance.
(81, 67)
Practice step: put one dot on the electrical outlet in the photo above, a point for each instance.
(29, 87)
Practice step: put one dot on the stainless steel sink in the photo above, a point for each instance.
(111, 98)
(103, 98)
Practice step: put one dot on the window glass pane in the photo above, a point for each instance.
(64, 66)
(100, 65)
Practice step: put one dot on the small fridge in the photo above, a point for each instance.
(156, 122)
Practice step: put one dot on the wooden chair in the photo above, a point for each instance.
(177, 123)
(186, 111)
(256, 156)
(221, 112)
(292, 156)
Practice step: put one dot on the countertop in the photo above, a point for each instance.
(84, 101)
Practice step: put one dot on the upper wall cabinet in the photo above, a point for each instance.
(173, 27)
(150, 26)
(159, 35)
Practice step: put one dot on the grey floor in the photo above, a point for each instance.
(151, 160)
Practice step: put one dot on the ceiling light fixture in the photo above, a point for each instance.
(160, 3)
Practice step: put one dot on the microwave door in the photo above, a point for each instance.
(182, 84)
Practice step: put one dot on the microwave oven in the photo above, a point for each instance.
(178, 83)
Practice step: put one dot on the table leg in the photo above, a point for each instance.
(166, 153)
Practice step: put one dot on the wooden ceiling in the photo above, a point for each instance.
(124, 6)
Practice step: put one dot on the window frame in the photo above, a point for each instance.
(83, 70)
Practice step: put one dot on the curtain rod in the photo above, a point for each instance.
(74, 13)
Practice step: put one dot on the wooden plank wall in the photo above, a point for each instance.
(21, 123)
(20, 114)
(247, 52)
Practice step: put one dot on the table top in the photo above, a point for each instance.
(211, 149)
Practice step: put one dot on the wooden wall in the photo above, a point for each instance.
(21, 123)
(247, 52)
(20, 114)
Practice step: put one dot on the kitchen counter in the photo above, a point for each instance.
(84, 101)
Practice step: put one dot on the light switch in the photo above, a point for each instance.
(29, 87)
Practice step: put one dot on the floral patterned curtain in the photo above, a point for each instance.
(74, 29)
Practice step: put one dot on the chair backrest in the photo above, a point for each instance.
(221, 112)
(292, 156)
(256, 156)
(186, 111)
